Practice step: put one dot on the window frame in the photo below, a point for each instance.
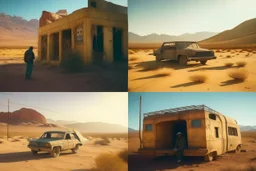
(147, 130)
(193, 126)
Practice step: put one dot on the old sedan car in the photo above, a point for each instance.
(56, 141)
(183, 51)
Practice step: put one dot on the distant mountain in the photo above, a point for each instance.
(23, 116)
(60, 122)
(16, 31)
(98, 127)
(131, 130)
(247, 128)
(244, 33)
(156, 38)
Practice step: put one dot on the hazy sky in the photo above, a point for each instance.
(80, 107)
(32, 9)
(176, 17)
(239, 106)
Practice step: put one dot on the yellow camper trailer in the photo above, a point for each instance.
(207, 132)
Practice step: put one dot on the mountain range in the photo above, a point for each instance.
(156, 38)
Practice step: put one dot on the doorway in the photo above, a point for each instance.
(55, 47)
(117, 44)
(43, 47)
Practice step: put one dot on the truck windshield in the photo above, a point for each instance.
(53, 135)
(187, 45)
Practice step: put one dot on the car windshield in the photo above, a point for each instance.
(53, 135)
(188, 45)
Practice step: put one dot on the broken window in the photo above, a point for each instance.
(216, 132)
(212, 116)
(98, 36)
(196, 123)
(93, 4)
(148, 127)
(232, 131)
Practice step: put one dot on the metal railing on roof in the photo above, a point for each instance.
(180, 109)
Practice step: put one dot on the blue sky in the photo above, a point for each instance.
(32, 9)
(81, 107)
(176, 17)
(239, 106)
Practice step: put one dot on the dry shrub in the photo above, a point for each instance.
(163, 72)
(131, 51)
(1, 141)
(238, 74)
(240, 168)
(218, 50)
(15, 140)
(110, 162)
(200, 78)
(124, 155)
(241, 64)
(248, 54)
(104, 141)
(133, 59)
(130, 67)
(229, 64)
(228, 56)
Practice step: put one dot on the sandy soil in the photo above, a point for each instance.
(47, 78)
(227, 160)
(145, 73)
(15, 155)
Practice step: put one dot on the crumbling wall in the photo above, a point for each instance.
(48, 17)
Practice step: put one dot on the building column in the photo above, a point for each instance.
(88, 41)
(108, 44)
(39, 48)
(48, 47)
(73, 32)
(125, 43)
(60, 45)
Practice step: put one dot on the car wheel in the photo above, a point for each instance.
(203, 62)
(34, 152)
(183, 60)
(55, 152)
(211, 156)
(158, 58)
(75, 150)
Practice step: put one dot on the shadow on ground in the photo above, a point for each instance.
(26, 156)
(230, 82)
(147, 163)
(186, 84)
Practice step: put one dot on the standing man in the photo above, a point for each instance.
(179, 147)
(29, 57)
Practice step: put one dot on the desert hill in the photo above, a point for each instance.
(243, 34)
(23, 116)
(156, 38)
(16, 31)
(98, 127)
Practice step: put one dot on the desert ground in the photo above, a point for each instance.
(99, 153)
(48, 78)
(233, 70)
(225, 162)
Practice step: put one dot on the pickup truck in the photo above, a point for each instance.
(183, 51)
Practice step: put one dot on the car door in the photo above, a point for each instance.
(73, 141)
(169, 51)
(65, 142)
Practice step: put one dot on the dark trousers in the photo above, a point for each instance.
(179, 154)
(29, 69)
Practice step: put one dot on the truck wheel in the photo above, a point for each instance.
(34, 152)
(55, 152)
(183, 60)
(75, 150)
(203, 62)
(209, 157)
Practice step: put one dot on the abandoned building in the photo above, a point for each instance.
(98, 33)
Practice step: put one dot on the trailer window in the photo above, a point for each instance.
(216, 132)
(232, 131)
(196, 123)
(148, 127)
(212, 116)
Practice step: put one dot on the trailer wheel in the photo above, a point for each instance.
(209, 157)
(55, 152)
(238, 149)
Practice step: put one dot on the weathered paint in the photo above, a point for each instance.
(85, 18)
(201, 140)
